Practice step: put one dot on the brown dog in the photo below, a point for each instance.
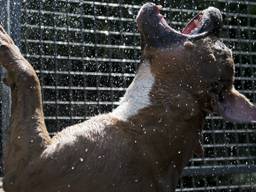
(142, 145)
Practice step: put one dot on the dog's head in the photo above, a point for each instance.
(194, 61)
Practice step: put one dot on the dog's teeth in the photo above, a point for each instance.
(160, 7)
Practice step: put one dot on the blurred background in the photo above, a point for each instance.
(86, 53)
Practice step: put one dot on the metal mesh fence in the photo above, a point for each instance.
(86, 53)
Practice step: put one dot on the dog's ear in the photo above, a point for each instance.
(235, 107)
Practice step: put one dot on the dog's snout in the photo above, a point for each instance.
(148, 8)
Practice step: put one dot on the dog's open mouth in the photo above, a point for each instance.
(209, 20)
(152, 24)
(194, 25)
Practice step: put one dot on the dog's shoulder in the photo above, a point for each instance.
(93, 131)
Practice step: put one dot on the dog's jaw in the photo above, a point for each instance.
(137, 96)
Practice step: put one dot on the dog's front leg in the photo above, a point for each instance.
(27, 134)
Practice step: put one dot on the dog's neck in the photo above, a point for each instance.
(137, 96)
(149, 95)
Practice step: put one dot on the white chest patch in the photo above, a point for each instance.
(137, 95)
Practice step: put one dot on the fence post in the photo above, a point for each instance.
(10, 14)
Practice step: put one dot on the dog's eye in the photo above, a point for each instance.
(218, 86)
(215, 88)
(221, 97)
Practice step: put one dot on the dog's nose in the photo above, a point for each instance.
(147, 9)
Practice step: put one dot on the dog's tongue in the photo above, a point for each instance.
(188, 29)
(193, 24)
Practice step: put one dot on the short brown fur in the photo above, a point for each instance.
(146, 153)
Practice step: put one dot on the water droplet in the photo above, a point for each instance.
(130, 11)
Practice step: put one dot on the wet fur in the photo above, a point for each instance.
(144, 144)
(145, 150)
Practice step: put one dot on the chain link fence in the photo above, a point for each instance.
(86, 53)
